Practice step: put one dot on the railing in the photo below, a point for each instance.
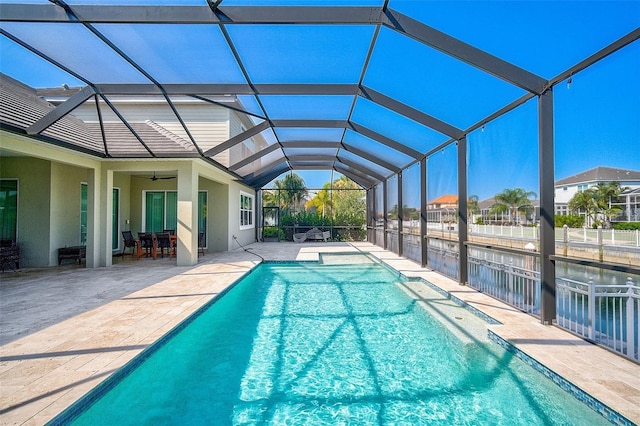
(517, 286)
(603, 313)
(607, 314)
(411, 247)
(599, 236)
(444, 261)
(569, 235)
(521, 232)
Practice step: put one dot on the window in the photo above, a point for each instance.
(246, 210)
(115, 220)
(160, 211)
(115, 214)
(583, 187)
(83, 214)
(8, 209)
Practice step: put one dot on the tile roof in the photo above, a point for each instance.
(601, 174)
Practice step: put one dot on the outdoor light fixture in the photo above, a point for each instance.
(569, 82)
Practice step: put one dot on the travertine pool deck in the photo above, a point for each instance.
(64, 330)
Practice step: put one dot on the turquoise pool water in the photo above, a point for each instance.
(310, 344)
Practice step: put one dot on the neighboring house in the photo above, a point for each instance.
(566, 188)
(54, 194)
(442, 209)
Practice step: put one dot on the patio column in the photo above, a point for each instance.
(462, 211)
(384, 213)
(187, 231)
(106, 219)
(400, 214)
(547, 227)
(423, 210)
(97, 205)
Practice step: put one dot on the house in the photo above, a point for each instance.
(566, 188)
(80, 182)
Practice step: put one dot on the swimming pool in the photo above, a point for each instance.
(305, 343)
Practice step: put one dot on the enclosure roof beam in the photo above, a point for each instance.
(361, 168)
(356, 176)
(301, 158)
(385, 140)
(310, 144)
(239, 138)
(371, 157)
(464, 52)
(61, 110)
(260, 180)
(268, 167)
(250, 159)
(411, 113)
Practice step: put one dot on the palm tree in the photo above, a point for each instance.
(292, 191)
(321, 201)
(606, 194)
(585, 201)
(269, 199)
(513, 201)
(598, 200)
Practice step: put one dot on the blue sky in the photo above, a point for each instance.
(596, 118)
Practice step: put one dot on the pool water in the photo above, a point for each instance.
(311, 344)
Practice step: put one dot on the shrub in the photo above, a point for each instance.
(572, 221)
(626, 226)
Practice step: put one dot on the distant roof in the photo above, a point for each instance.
(601, 174)
(445, 199)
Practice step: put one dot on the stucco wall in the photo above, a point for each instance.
(34, 183)
(245, 236)
(65, 207)
(217, 214)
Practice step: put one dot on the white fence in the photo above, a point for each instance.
(606, 314)
(570, 235)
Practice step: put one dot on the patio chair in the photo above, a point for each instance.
(146, 244)
(201, 243)
(164, 243)
(129, 242)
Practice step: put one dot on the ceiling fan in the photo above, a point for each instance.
(155, 178)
